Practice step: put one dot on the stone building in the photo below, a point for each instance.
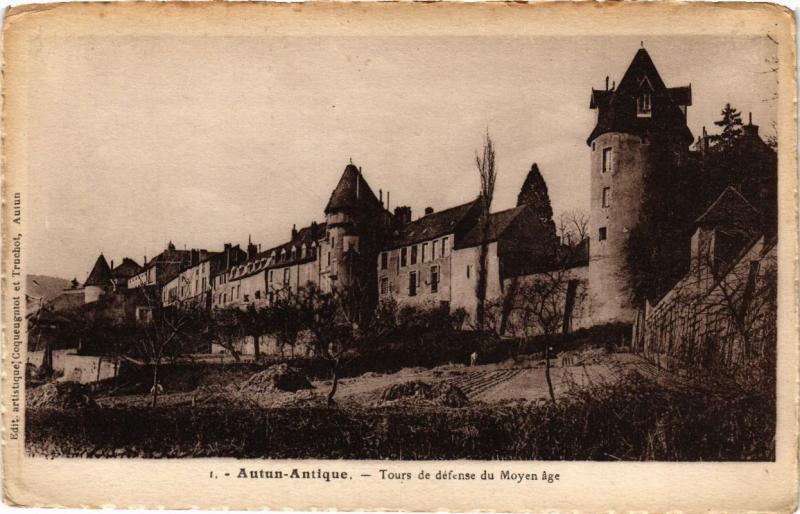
(640, 125)
(194, 284)
(722, 312)
(105, 278)
(640, 132)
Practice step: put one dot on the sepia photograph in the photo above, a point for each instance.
(397, 247)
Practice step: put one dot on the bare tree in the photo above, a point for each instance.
(488, 174)
(283, 319)
(721, 316)
(573, 227)
(321, 314)
(164, 334)
(225, 329)
(542, 304)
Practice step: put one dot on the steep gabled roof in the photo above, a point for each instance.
(730, 207)
(433, 225)
(126, 269)
(618, 111)
(100, 274)
(352, 192)
(498, 223)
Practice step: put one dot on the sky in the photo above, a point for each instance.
(136, 141)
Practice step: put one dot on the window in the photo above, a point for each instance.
(384, 260)
(469, 270)
(424, 251)
(434, 279)
(258, 295)
(224, 297)
(384, 285)
(603, 234)
(643, 106)
(412, 283)
(403, 256)
(270, 275)
(433, 249)
(246, 298)
(414, 254)
(608, 160)
(445, 247)
(238, 290)
(286, 276)
(329, 258)
(606, 196)
(594, 146)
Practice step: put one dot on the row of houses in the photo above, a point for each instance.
(429, 261)
(435, 259)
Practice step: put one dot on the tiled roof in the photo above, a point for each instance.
(127, 269)
(617, 107)
(352, 192)
(433, 225)
(498, 223)
(306, 235)
(729, 207)
(100, 274)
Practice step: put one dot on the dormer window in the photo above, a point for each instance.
(644, 105)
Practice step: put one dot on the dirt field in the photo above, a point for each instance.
(512, 382)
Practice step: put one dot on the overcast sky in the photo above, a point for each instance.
(202, 141)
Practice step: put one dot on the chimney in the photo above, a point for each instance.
(380, 191)
(252, 250)
(112, 264)
(402, 215)
(388, 206)
(428, 211)
(750, 129)
(294, 227)
(606, 82)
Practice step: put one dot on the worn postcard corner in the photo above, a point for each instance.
(405, 257)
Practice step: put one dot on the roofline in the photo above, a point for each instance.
(710, 207)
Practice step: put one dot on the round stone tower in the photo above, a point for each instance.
(638, 124)
(355, 222)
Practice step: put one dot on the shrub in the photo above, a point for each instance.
(633, 419)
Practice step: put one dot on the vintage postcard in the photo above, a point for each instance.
(400, 256)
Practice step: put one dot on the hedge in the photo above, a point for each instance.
(632, 420)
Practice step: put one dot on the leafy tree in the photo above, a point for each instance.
(534, 193)
(731, 124)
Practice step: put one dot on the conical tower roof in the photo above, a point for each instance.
(352, 192)
(618, 106)
(101, 273)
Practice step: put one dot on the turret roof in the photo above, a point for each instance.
(352, 192)
(100, 274)
(618, 109)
